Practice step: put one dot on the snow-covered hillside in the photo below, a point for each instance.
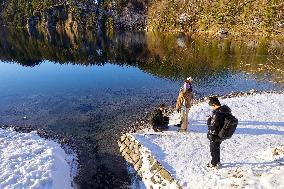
(28, 161)
(252, 158)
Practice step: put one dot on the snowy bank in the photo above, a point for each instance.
(29, 161)
(252, 158)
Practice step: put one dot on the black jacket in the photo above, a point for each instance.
(216, 122)
(157, 119)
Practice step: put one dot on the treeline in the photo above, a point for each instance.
(87, 14)
(20, 12)
(238, 16)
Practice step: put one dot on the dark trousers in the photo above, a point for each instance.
(215, 152)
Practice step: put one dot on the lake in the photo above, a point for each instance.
(91, 87)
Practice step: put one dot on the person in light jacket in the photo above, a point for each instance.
(183, 104)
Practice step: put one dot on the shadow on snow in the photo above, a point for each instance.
(201, 127)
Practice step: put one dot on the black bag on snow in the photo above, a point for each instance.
(230, 125)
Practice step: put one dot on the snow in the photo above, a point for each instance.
(29, 161)
(252, 158)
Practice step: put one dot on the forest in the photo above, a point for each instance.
(236, 16)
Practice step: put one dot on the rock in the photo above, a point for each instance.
(223, 33)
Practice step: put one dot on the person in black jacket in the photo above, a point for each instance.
(159, 121)
(215, 124)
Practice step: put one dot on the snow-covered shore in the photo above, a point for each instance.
(29, 161)
(252, 158)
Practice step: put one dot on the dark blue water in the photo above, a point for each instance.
(52, 78)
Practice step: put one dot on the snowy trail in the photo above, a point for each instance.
(249, 159)
(28, 161)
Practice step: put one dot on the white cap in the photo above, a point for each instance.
(189, 79)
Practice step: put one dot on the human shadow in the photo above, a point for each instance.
(264, 123)
(258, 131)
(156, 150)
(267, 164)
(201, 127)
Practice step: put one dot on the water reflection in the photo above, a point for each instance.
(91, 87)
(166, 56)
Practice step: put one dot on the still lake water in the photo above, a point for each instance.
(91, 87)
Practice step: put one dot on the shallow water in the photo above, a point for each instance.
(92, 87)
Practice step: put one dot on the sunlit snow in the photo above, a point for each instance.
(252, 158)
(29, 161)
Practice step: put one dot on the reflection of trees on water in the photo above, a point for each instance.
(272, 70)
(169, 56)
(177, 56)
(87, 49)
(267, 63)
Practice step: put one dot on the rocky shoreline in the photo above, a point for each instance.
(67, 143)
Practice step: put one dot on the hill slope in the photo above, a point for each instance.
(238, 16)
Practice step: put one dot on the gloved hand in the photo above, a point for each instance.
(209, 120)
(213, 132)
